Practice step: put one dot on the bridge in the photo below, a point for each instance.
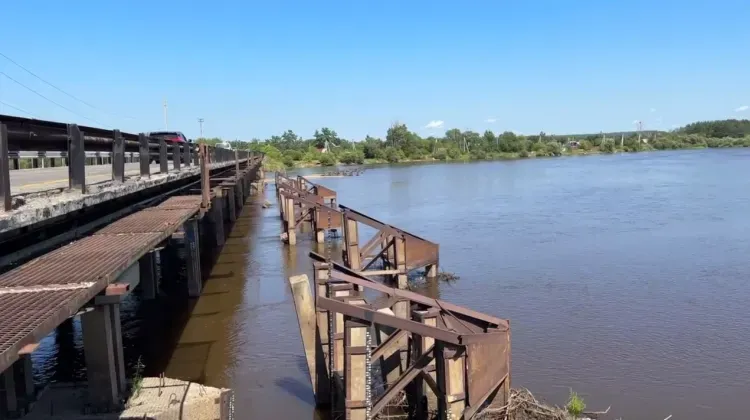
(76, 238)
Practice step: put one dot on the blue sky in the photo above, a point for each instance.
(253, 69)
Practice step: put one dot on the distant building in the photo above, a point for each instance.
(322, 149)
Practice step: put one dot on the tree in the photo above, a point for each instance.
(327, 159)
(397, 135)
(325, 136)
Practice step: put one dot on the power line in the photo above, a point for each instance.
(55, 87)
(48, 99)
(18, 109)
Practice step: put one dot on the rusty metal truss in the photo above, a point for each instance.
(450, 360)
(397, 250)
(303, 201)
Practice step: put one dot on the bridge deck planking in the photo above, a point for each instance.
(38, 296)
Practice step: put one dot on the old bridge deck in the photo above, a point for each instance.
(39, 295)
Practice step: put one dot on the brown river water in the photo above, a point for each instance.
(626, 278)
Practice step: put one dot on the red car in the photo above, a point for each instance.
(169, 137)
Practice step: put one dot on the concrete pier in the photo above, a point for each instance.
(102, 341)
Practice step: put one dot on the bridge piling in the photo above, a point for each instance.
(149, 281)
(192, 258)
(104, 362)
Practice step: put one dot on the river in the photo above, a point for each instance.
(626, 278)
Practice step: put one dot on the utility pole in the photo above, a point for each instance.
(200, 122)
(166, 126)
(640, 127)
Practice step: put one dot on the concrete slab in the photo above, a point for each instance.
(157, 399)
(36, 207)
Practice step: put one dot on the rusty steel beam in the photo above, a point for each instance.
(362, 312)
(391, 342)
(405, 379)
(342, 273)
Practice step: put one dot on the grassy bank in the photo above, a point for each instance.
(275, 164)
(402, 145)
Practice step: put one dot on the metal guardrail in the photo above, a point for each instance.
(21, 135)
(47, 159)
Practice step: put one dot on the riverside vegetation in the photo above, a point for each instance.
(327, 148)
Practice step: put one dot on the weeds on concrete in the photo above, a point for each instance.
(138, 378)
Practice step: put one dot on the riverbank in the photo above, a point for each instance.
(277, 165)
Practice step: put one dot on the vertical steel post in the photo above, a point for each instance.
(357, 378)
(176, 156)
(163, 163)
(5, 195)
(118, 157)
(205, 181)
(77, 159)
(144, 155)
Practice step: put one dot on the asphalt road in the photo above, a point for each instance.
(24, 181)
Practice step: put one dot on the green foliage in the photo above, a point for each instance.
(393, 155)
(327, 159)
(553, 148)
(440, 154)
(138, 378)
(575, 405)
(718, 129)
(211, 142)
(350, 157)
(401, 144)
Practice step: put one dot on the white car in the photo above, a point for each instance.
(224, 145)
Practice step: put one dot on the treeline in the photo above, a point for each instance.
(719, 129)
(327, 148)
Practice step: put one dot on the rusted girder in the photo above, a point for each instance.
(299, 205)
(395, 248)
(459, 357)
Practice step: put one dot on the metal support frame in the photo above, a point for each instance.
(76, 159)
(118, 157)
(459, 360)
(396, 248)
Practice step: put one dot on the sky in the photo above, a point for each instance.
(252, 69)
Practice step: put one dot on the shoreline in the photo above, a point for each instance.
(501, 157)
